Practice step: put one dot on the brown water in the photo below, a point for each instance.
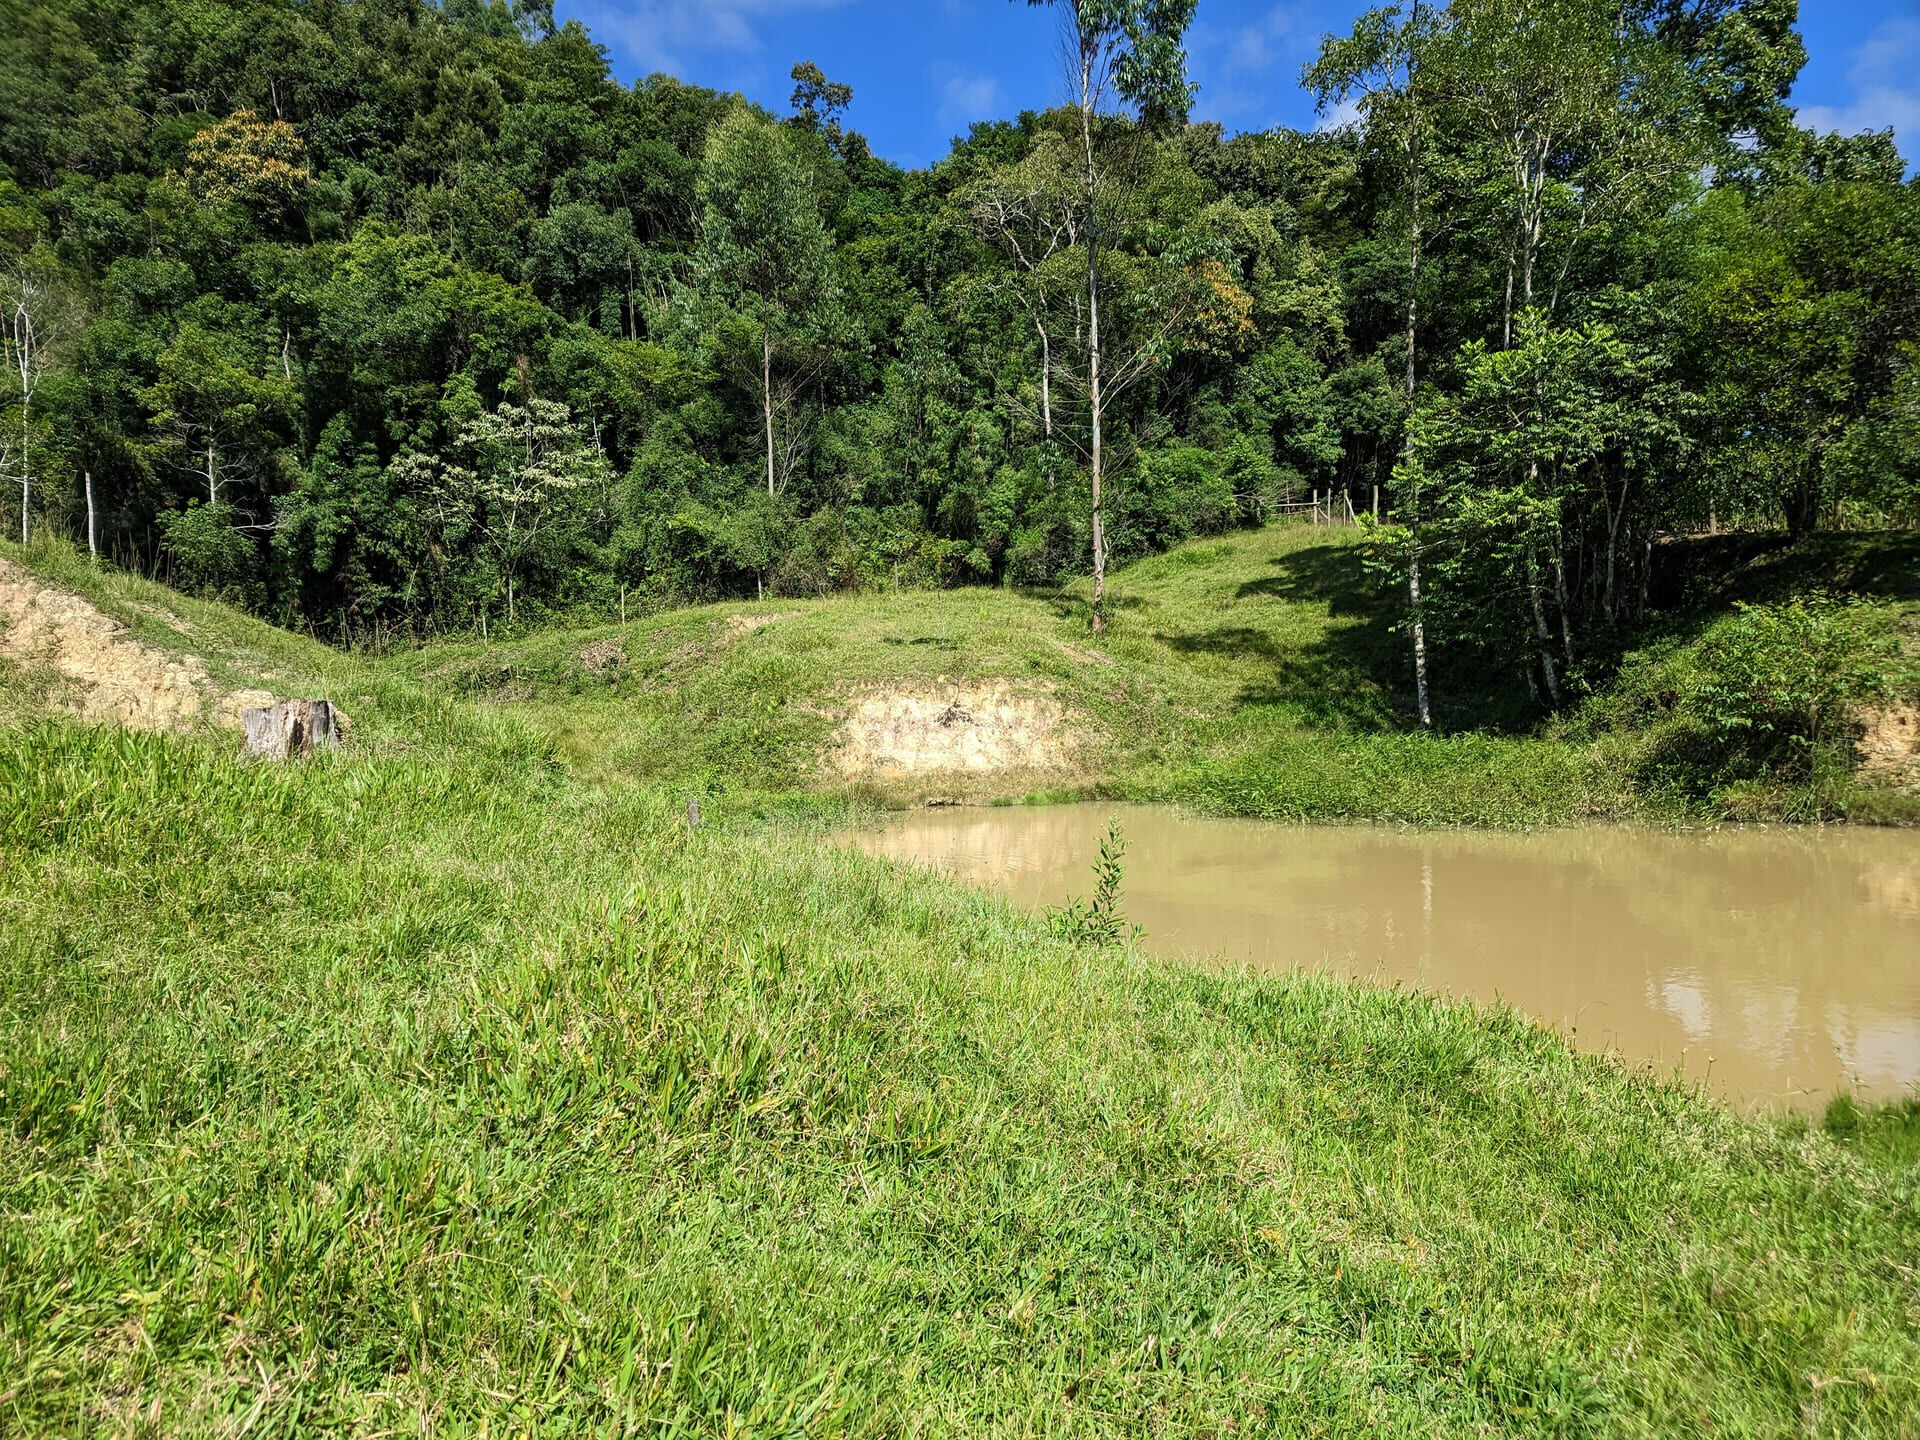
(1776, 965)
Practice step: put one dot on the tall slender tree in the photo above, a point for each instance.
(1127, 54)
(1380, 64)
(765, 288)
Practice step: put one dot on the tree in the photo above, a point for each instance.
(1808, 295)
(1381, 63)
(818, 103)
(524, 472)
(1582, 118)
(765, 289)
(1030, 210)
(1543, 479)
(220, 403)
(38, 323)
(1126, 52)
(244, 160)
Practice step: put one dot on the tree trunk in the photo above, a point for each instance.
(766, 398)
(292, 729)
(1419, 646)
(1611, 602)
(1095, 401)
(93, 529)
(1046, 394)
(1566, 611)
(1413, 329)
(1543, 637)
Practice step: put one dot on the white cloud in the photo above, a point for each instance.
(659, 34)
(1885, 77)
(1241, 68)
(1339, 116)
(966, 98)
(1269, 41)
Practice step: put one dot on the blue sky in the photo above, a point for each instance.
(922, 70)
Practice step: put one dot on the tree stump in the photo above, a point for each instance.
(291, 729)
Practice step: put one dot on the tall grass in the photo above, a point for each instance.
(437, 1092)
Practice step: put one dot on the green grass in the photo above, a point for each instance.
(1258, 674)
(443, 1092)
(452, 1085)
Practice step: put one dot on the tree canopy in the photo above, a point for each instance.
(388, 314)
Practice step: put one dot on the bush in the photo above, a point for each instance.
(1774, 687)
(210, 556)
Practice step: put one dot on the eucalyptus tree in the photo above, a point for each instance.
(1581, 121)
(38, 322)
(1379, 67)
(765, 292)
(1030, 211)
(1128, 56)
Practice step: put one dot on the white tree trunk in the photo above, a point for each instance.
(1095, 399)
(766, 399)
(1421, 698)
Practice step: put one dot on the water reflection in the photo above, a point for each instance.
(1775, 964)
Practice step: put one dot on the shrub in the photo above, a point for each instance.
(210, 556)
(1774, 687)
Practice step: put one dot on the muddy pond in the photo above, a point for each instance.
(1775, 965)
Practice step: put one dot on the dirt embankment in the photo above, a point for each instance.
(1889, 749)
(97, 668)
(912, 730)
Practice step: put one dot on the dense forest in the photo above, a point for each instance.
(393, 317)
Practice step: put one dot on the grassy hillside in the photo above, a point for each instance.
(1259, 674)
(453, 1085)
(1255, 655)
(407, 1093)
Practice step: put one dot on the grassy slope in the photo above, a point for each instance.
(406, 1092)
(1250, 674)
(1257, 674)
(442, 1083)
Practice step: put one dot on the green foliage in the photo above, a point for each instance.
(1537, 484)
(1887, 1135)
(1776, 685)
(437, 1081)
(1098, 921)
(208, 555)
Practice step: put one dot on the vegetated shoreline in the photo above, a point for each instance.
(446, 1077)
(1260, 675)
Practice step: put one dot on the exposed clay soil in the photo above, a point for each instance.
(103, 673)
(741, 626)
(981, 728)
(1890, 748)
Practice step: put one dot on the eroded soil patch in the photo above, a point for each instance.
(984, 727)
(100, 671)
(1890, 749)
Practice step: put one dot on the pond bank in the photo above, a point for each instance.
(1774, 965)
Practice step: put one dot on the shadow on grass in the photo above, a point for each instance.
(1357, 675)
(938, 642)
(1347, 677)
(1715, 571)
(1076, 608)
